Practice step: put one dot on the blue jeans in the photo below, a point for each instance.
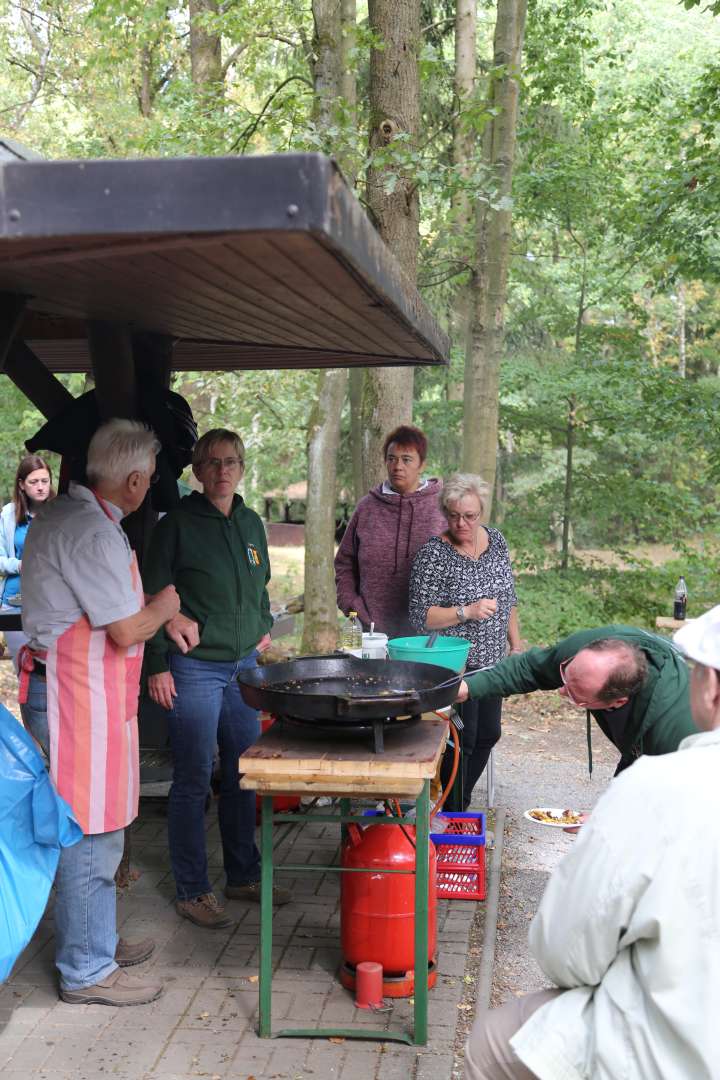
(34, 712)
(85, 901)
(209, 711)
(86, 910)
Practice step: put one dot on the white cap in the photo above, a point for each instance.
(699, 639)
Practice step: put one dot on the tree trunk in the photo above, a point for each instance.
(327, 53)
(320, 625)
(567, 498)
(205, 50)
(394, 100)
(348, 78)
(482, 366)
(145, 90)
(464, 148)
(682, 329)
(357, 376)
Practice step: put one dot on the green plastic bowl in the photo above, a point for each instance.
(449, 652)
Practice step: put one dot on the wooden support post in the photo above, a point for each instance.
(113, 368)
(111, 354)
(153, 355)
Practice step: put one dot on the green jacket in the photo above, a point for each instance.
(659, 717)
(220, 567)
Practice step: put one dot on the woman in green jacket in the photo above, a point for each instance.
(213, 550)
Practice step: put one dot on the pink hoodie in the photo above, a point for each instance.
(373, 562)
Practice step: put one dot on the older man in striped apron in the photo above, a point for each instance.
(86, 619)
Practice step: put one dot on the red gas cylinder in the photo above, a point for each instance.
(377, 915)
(281, 803)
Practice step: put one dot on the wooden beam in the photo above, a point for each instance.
(38, 385)
(12, 308)
(111, 355)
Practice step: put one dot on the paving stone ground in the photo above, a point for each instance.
(204, 1025)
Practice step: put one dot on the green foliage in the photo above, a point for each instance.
(553, 604)
(616, 214)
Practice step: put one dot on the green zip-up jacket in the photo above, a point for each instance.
(220, 568)
(659, 717)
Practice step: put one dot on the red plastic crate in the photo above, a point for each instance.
(461, 857)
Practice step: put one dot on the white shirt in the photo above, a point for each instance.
(630, 922)
(76, 561)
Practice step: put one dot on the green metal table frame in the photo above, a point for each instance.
(420, 993)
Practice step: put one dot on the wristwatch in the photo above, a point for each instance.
(460, 612)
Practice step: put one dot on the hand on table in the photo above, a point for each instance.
(161, 689)
(183, 631)
(481, 609)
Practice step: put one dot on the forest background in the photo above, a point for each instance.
(607, 456)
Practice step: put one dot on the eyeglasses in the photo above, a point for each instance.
(571, 697)
(470, 518)
(222, 463)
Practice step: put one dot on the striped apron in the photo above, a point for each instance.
(93, 686)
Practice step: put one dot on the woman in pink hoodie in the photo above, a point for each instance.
(389, 526)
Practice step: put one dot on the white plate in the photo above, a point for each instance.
(554, 811)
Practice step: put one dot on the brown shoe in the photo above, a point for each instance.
(251, 892)
(205, 911)
(117, 989)
(128, 953)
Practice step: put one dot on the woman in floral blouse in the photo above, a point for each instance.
(462, 585)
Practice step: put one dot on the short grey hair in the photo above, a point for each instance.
(461, 484)
(120, 447)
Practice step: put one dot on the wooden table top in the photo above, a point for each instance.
(290, 760)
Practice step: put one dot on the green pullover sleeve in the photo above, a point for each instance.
(539, 669)
(158, 571)
(536, 669)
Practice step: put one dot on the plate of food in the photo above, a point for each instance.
(554, 817)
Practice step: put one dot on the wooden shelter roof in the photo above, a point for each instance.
(243, 262)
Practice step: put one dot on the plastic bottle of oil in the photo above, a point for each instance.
(352, 632)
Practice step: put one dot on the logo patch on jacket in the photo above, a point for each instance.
(253, 556)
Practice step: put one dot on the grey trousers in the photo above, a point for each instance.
(488, 1054)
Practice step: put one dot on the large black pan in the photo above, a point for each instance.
(347, 690)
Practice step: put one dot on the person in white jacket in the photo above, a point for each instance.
(628, 929)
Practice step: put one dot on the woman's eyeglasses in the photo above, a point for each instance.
(470, 518)
(222, 463)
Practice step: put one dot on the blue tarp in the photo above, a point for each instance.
(34, 824)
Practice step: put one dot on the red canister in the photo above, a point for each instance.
(377, 918)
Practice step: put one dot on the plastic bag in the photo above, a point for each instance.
(34, 824)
